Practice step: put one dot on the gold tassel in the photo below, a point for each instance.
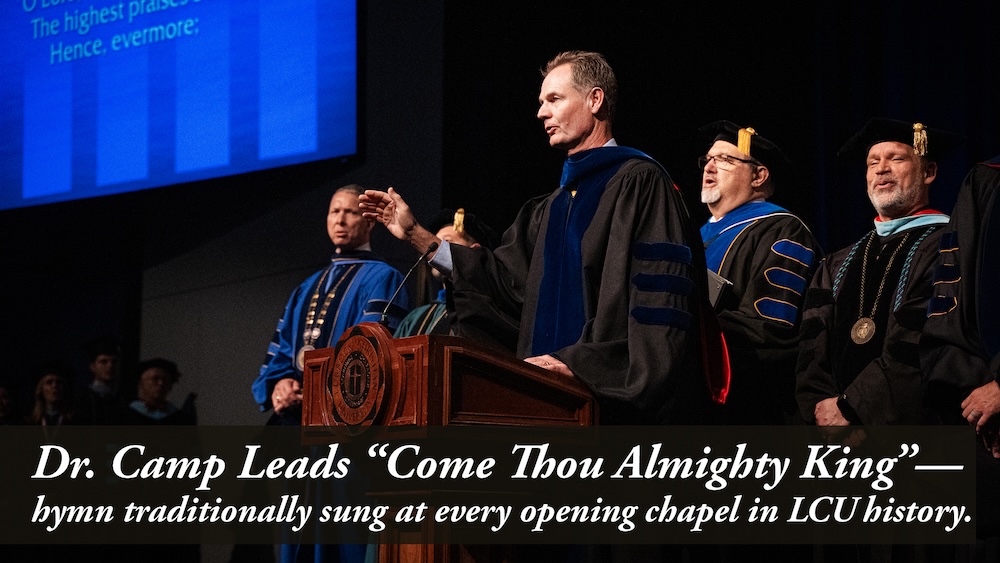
(920, 139)
(459, 224)
(743, 140)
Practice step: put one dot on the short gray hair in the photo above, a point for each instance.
(590, 70)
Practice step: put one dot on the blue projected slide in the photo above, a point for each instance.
(102, 97)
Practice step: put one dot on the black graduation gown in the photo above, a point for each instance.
(879, 380)
(641, 371)
(100, 410)
(960, 345)
(763, 348)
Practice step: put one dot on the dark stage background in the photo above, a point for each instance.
(450, 93)
(806, 76)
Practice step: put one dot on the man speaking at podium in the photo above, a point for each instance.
(356, 287)
(601, 278)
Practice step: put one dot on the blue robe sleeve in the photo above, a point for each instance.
(279, 363)
(364, 298)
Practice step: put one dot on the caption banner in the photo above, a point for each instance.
(486, 485)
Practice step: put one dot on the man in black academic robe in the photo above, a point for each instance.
(766, 256)
(603, 278)
(960, 345)
(859, 360)
(99, 403)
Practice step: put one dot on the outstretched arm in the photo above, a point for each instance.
(389, 209)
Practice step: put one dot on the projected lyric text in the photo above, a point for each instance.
(73, 30)
(115, 96)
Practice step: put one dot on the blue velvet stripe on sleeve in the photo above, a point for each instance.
(777, 310)
(666, 283)
(785, 279)
(793, 251)
(662, 283)
(667, 251)
(662, 316)
(949, 242)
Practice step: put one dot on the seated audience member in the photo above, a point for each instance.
(53, 397)
(99, 402)
(8, 407)
(157, 378)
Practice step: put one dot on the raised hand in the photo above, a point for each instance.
(389, 209)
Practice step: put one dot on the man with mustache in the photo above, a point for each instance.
(858, 359)
(767, 256)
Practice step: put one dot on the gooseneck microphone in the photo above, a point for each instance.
(384, 321)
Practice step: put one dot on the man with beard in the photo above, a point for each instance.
(858, 359)
(766, 255)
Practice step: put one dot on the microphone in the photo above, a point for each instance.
(384, 321)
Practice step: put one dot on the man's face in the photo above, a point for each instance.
(344, 223)
(104, 368)
(897, 179)
(154, 386)
(727, 184)
(567, 114)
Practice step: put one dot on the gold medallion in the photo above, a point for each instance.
(300, 359)
(863, 330)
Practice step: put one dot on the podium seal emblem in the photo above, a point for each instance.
(356, 388)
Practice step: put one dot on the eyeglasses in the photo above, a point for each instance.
(723, 161)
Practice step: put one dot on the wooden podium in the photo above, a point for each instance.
(432, 380)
